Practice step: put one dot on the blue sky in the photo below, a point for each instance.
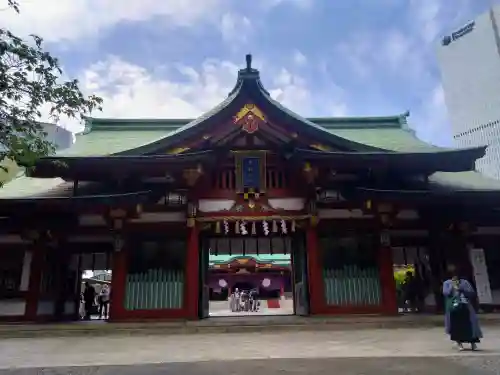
(178, 58)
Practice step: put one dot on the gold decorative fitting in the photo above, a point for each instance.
(177, 150)
(321, 147)
(314, 220)
(190, 222)
(249, 117)
(251, 203)
(138, 209)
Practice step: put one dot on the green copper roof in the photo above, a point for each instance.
(464, 181)
(110, 136)
(23, 187)
(106, 142)
(393, 139)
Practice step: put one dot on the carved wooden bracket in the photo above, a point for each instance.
(310, 172)
(45, 236)
(192, 175)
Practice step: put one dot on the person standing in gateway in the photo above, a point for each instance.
(461, 321)
(104, 302)
(88, 300)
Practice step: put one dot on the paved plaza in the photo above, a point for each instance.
(395, 351)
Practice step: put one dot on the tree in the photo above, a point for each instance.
(31, 82)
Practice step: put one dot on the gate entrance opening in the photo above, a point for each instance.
(253, 275)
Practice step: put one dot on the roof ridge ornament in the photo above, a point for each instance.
(248, 74)
(248, 58)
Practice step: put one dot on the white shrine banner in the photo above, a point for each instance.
(481, 277)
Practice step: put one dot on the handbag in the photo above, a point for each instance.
(456, 301)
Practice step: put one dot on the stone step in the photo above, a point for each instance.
(229, 325)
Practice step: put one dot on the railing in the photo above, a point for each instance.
(225, 179)
(352, 286)
(155, 289)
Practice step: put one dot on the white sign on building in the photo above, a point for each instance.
(481, 277)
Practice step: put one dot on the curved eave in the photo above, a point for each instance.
(433, 197)
(454, 160)
(67, 166)
(249, 88)
(221, 112)
(279, 113)
(73, 203)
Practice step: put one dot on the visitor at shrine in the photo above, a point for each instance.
(235, 300)
(254, 300)
(104, 302)
(88, 300)
(244, 301)
(412, 289)
(461, 321)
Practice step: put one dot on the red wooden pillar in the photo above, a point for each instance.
(36, 269)
(118, 284)
(191, 288)
(387, 282)
(315, 273)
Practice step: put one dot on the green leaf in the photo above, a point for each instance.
(31, 79)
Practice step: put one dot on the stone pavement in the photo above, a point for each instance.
(464, 365)
(368, 347)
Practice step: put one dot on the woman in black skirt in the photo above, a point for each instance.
(461, 320)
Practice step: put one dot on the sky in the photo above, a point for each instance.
(179, 58)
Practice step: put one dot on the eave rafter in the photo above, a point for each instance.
(419, 162)
(102, 167)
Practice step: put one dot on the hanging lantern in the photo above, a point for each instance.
(217, 227)
(254, 230)
(275, 227)
(293, 226)
(237, 227)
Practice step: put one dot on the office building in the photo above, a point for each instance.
(469, 60)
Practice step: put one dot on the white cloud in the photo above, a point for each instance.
(433, 125)
(292, 91)
(338, 110)
(235, 28)
(299, 58)
(303, 4)
(132, 91)
(57, 20)
(426, 15)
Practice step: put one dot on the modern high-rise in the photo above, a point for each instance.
(469, 60)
